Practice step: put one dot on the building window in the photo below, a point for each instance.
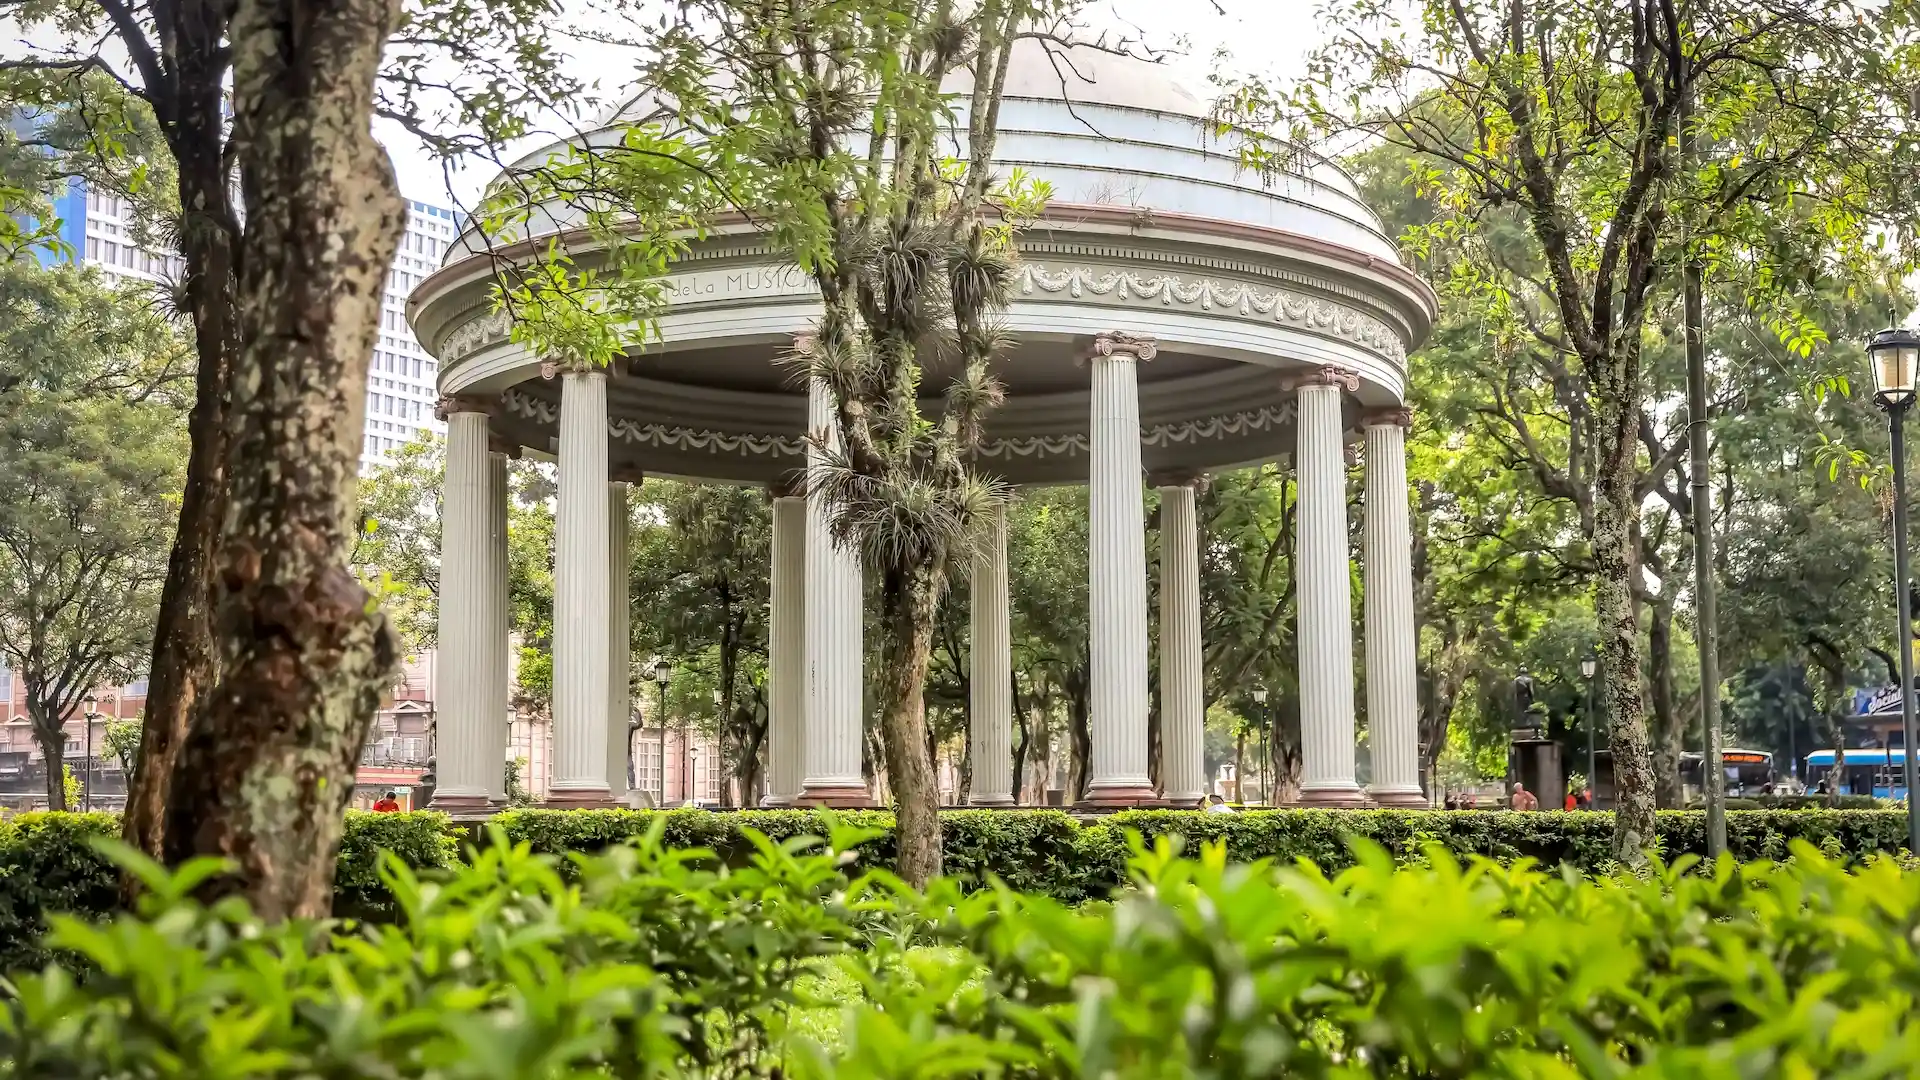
(646, 763)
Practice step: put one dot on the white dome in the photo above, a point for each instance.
(1085, 75)
(1039, 70)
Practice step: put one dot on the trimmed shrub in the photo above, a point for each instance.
(47, 865)
(647, 962)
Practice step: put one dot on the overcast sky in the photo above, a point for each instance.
(1261, 35)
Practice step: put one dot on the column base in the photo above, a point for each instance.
(1400, 798)
(990, 802)
(775, 802)
(1118, 796)
(452, 803)
(1345, 797)
(579, 799)
(1182, 802)
(836, 797)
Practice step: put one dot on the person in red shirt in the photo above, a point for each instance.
(387, 804)
(1572, 803)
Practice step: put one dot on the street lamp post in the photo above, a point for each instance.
(86, 781)
(1266, 746)
(662, 674)
(1589, 667)
(1894, 356)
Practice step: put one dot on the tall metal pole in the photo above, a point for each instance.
(662, 785)
(1706, 606)
(1897, 415)
(86, 787)
(1593, 758)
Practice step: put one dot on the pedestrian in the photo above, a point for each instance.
(1523, 799)
(1216, 804)
(1571, 803)
(1586, 798)
(388, 803)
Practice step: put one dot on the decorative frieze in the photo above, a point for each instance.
(1039, 281)
(1233, 298)
(706, 440)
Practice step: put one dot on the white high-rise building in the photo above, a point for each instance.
(400, 385)
(99, 228)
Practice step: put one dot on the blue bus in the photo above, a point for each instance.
(1875, 772)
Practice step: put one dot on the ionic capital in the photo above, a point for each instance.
(1399, 416)
(464, 403)
(1324, 375)
(621, 473)
(789, 485)
(1112, 343)
(551, 368)
(1174, 478)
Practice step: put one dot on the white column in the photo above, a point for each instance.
(990, 682)
(498, 619)
(786, 765)
(580, 596)
(1183, 767)
(619, 645)
(834, 604)
(461, 741)
(1326, 598)
(1117, 572)
(1393, 721)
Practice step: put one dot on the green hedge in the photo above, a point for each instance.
(46, 864)
(644, 963)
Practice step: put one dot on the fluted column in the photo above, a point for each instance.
(1117, 572)
(581, 596)
(1392, 713)
(786, 765)
(990, 682)
(834, 730)
(1183, 766)
(461, 742)
(619, 646)
(1326, 598)
(498, 618)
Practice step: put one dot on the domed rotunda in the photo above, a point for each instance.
(1174, 313)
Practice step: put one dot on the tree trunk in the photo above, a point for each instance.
(52, 737)
(1667, 720)
(268, 763)
(1240, 765)
(1023, 725)
(909, 608)
(1079, 736)
(1616, 509)
(184, 662)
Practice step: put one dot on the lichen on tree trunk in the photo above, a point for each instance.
(1616, 510)
(268, 762)
(909, 601)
